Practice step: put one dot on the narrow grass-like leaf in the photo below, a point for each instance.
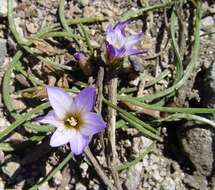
(7, 147)
(136, 13)
(178, 60)
(35, 81)
(40, 128)
(12, 25)
(87, 38)
(22, 118)
(6, 87)
(121, 124)
(63, 20)
(189, 117)
(62, 17)
(10, 146)
(166, 109)
(143, 127)
(6, 83)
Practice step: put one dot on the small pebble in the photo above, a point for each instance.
(10, 168)
(57, 178)
(80, 186)
(168, 184)
(3, 50)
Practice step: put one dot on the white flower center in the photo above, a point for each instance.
(116, 39)
(73, 120)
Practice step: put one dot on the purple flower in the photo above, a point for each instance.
(118, 44)
(73, 118)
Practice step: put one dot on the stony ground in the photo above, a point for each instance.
(184, 161)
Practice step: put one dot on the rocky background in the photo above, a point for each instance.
(185, 161)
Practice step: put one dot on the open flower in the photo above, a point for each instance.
(119, 45)
(73, 118)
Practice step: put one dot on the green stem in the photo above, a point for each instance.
(87, 39)
(62, 17)
(189, 117)
(22, 118)
(178, 60)
(6, 90)
(137, 123)
(139, 12)
(12, 25)
(166, 109)
(6, 83)
(35, 81)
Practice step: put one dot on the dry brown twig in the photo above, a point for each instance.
(99, 84)
(98, 169)
(112, 96)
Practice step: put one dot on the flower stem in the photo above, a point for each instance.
(99, 169)
(112, 96)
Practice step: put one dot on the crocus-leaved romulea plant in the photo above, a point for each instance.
(119, 45)
(73, 118)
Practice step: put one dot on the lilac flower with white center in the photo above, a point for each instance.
(119, 45)
(73, 118)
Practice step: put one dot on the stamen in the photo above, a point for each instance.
(72, 121)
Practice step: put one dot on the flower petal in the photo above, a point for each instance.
(61, 137)
(131, 40)
(121, 25)
(59, 100)
(109, 29)
(93, 123)
(110, 50)
(78, 143)
(120, 53)
(133, 52)
(51, 118)
(85, 100)
(116, 38)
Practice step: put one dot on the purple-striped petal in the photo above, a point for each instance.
(119, 45)
(131, 40)
(93, 123)
(85, 100)
(51, 118)
(78, 143)
(120, 53)
(121, 25)
(110, 50)
(61, 137)
(116, 38)
(134, 52)
(60, 101)
(109, 29)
